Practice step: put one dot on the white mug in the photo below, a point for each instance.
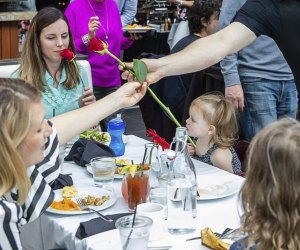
(156, 212)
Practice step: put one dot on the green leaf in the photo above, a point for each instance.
(140, 70)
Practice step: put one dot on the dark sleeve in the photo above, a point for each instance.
(260, 16)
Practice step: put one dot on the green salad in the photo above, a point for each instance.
(102, 137)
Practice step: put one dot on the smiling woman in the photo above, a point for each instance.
(29, 149)
(42, 65)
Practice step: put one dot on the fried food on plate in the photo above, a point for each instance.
(210, 240)
(65, 204)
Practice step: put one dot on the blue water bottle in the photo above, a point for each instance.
(116, 128)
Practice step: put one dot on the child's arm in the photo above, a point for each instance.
(191, 149)
(222, 158)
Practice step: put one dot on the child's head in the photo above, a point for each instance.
(271, 193)
(213, 116)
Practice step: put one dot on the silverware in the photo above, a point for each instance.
(83, 206)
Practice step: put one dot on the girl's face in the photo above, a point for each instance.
(196, 124)
(53, 39)
(32, 149)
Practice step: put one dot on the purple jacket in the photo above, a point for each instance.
(105, 72)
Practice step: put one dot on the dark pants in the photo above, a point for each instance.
(99, 93)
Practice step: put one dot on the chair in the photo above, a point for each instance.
(7, 70)
(241, 150)
(208, 80)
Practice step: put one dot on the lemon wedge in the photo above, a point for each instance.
(132, 169)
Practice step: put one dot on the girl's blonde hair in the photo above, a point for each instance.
(271, 193)
(16, 97)
(33, 67)
(219, 112)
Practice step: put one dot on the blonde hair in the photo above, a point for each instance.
(220, 113)
(271, 193)
(16, 97)
(33, 67)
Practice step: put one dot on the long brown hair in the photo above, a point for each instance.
(16, 97)
(33, 67)
(219, 112)
(271, 193)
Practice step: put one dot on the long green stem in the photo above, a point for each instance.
(168, 111)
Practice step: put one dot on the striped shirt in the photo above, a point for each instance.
(40, 196)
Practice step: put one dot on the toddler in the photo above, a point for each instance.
(213, 122)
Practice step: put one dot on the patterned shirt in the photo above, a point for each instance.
(206, 158)
(40, 196)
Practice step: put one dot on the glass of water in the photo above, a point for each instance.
(134, 236)
(103, 171)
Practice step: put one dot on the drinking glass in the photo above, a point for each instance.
(103, 171)
(137, 188)
(134, 236)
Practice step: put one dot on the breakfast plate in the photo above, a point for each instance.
(83, 192)
(217, 191)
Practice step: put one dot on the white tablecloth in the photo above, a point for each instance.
(56, 231)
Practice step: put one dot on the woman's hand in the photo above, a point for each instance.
(134, 36)
(87, 97)
(93, 26)
(130, 93)
(191, 149)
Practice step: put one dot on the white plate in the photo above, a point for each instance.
(138, 30)
(217, 191)
(90, 170)
(83, 192)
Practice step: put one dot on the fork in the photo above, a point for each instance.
(83, 207)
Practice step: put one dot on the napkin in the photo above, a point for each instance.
(84, 150)
(97, 225)
(61, 181)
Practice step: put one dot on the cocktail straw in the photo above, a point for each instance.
(133, 221)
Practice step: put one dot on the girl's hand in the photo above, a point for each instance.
(93, 26)
(191, 149)
(87, 97)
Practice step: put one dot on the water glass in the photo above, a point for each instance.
(103, 171)
(134, 236)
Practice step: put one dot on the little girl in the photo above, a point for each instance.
(212, 120)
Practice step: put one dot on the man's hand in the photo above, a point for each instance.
(235, 94)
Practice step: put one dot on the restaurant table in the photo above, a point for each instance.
(53, 231)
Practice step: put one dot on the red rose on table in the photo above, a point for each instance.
(67, 54)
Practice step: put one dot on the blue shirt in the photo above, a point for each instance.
(60, 100)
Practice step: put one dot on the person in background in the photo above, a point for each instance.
(179, 28)
(127, 9)
(275, 18)
(100, 19)
(63, 87)
(258, 80)
(213, 122)
(270, 195)
(29, 149)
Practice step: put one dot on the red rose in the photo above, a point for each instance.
(95, 45)
(157, 139)
(67, 54)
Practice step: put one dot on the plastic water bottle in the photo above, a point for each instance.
(116, 128)
(182, 188)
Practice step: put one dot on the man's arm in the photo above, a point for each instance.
(202, 53)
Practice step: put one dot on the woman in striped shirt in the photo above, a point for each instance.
(29, 148)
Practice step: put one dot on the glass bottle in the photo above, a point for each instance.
(182, 188)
